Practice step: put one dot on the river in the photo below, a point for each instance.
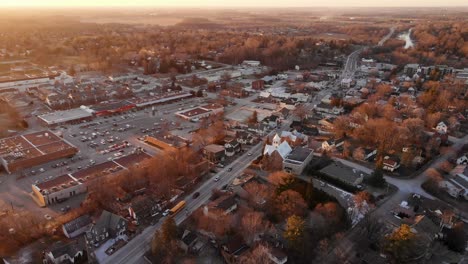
(406, 36)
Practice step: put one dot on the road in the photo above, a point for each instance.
(382, 41)
(133, 252)
(345, 247)
(351, 64)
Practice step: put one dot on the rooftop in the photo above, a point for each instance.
(212, 106)
(159, 98)
(110, 106)
(339, 171)
(108, 167)
(57, 184)
(65, 116)
(299, 154)
(28, 146)
(97, 170)
(77, 223)
(169, 139)
(132, 159)
(194, 112)
(214, 148)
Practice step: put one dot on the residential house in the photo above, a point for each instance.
(458, 185)
(231, 147)
(258, 84)
(108, 225)
(294, 138)
(329, 109)
(272, 121)
(441, 128)
(76, 226)
(332, 143)
(233, 249)
(327, 122)
(391, 163)
(284, 112)
(59, 253)
(462, 160)
(259, 129)
(223, 205)
(143, 209)
(189, 242)
(245, 138)
(308, 130)
(276, 255)
(344, 173)
(369, 153)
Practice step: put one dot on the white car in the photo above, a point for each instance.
(165, 213)
(48, 217)
(249, 154)
(216, 178)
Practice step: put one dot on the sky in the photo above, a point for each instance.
(236, 3)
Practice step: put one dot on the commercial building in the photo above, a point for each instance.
(104, 109)
(67, 116)
(297, 160)
(29, 150)
(201, 111)
(69, 185)
(159, 99)
(214, 153)
(166, 141)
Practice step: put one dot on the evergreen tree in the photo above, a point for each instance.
(377, 179)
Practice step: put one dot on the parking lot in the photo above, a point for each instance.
(99, 140)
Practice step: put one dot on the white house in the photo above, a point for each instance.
(390, 164)
(328, 145)
(283, 148)
(251, 63)
(73, 252)
(441, 128)
(462, 160)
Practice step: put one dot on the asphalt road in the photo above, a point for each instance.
(133, 252)
(345, 248)
(382, 41)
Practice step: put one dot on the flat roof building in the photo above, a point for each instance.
(69, 185)
(66, 116)
(344, 173)
(159, 99)
(29, 150)
(201, 111)
(297, 160)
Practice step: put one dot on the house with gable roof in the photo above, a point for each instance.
(441, 128)
(108, 225)
(281, 147)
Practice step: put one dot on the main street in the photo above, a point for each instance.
(133, 252)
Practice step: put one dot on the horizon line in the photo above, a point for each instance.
(225, 7)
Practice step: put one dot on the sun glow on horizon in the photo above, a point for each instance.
(217, 3)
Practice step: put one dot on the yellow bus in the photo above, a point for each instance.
(177, 208)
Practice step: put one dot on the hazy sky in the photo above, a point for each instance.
(235, 3)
